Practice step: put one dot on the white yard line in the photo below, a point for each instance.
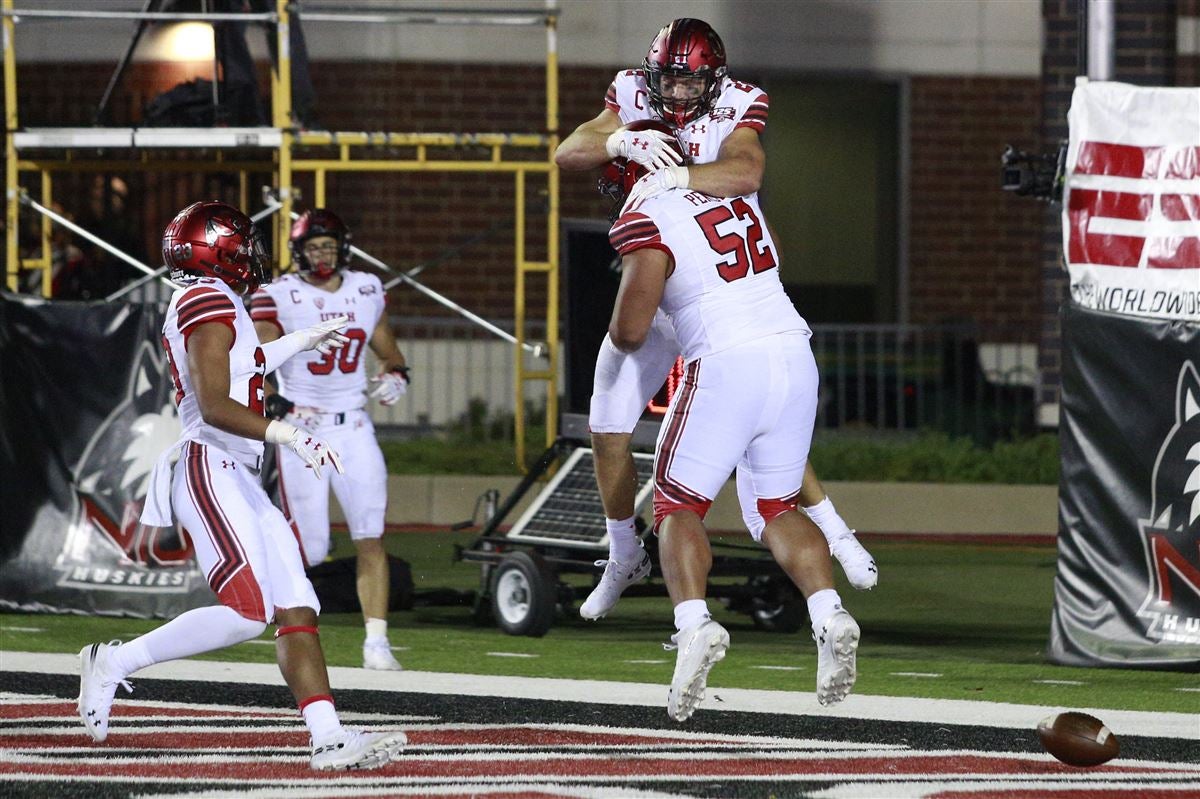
(799, 702)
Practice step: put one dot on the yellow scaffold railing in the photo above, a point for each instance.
(45, 151)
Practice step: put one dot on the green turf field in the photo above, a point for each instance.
(948, 620)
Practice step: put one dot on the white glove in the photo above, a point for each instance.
(655, 183)
(650, 148)
(324, 337)
(311, 449)
(389, 387)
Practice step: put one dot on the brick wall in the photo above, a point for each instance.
(973, 248)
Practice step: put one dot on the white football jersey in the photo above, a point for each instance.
(725, 289)
(203, 301)
(335, 382)
(739, 105)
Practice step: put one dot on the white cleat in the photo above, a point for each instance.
(856, 561)
(379, 657)
(837, 648)
(700, 648)
(616, 578)
(354, 750)
(97, 689)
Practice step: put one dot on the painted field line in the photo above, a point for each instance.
(511, 655)
(24, 629)
(644, 662)
(779, 668)
(1060, 682)
(913, 674)
(884, 708)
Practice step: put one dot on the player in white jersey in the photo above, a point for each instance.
(326, 395)
(717, 120)
(749, 396)
(242, 542)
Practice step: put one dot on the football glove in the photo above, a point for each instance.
(655, 183)
(650, 148)
(390, 386)
(311, 449)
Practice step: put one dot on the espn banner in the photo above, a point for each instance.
(1127, 591)
(85, 400)
(1131, 206)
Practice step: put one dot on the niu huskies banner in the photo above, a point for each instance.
(1127, 591)
(1131, 210)
(85, 400)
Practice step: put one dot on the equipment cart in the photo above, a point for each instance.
(562, 532)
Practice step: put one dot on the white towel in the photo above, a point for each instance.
(157, 510)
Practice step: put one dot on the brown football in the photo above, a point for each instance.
(1078, 739)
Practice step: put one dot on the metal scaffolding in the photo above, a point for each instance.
(283, 151)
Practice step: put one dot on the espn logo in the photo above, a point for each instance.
(1135, 207)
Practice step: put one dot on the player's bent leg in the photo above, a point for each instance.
(103, 667)
(627, 562)
(844, 545)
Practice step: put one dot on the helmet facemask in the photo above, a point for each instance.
(320, 223)
(685, 50)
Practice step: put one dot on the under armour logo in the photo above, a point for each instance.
(638, 142)
(228, 464)
(701, 129)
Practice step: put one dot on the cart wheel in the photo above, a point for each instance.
(523, 595)
(780, 608)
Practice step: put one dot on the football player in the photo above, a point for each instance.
(748, 398)
(716, 122)
(325, 394)
(243, 544)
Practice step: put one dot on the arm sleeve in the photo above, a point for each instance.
(755, 116)
(263, 309)
(201, 305)
(634, 231)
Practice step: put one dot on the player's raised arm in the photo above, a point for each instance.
(586, 147)
(738, 170)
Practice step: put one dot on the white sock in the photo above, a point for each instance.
(376, 631)
(197, 631)
(624, 546)
(825, 516)
(821, 606)
(322, 721)
(691, 613)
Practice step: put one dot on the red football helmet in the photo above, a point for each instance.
(213, 239)
(687, 48)
(620, 174)
(314, 223)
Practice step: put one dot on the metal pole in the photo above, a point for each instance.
(1101, 40)
(12, 254)
(94, 239)
(113, 81)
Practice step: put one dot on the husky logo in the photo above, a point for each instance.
(1171, 536)
(106, 545)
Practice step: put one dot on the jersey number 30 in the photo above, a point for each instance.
(746, 249)
(346, 358)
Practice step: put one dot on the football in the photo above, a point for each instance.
(1078, 739)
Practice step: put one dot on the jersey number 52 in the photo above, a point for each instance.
(746, 249)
